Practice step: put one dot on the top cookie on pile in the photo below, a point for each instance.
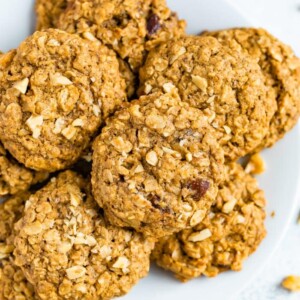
(130, 27)
(224, 82)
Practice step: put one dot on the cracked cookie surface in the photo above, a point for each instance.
(130, 27)
(56, 91)
(225, 83)
(67, 249)
(14, 177)
(232, 230)
(156, 165)
(13, 284)
(281, 69)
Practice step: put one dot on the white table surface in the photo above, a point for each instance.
(282, 18)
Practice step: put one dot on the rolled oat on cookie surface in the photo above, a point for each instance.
(224, 82)
(281, 69)
(156, 165)
(232, 231)
(67, 249)
(56, 91)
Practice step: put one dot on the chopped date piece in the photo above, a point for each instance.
(200, 187)
(153, 24)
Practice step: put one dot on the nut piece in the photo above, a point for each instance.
(291, 283)
(89, 36)
(53, 42)
(200, 236)
(121, 145)
(78, 123)
(58, 126)
(75, 272)
(58, 79)
(35, 123)
(181, 51)
(256, 165)
(22, 85)
(148, 88)
(69, 132)
(168, 87)
(227, 129)
(96, 110)
(197, 217)
(200, 82)
(152, 158)
(121, 263)
(229, 206)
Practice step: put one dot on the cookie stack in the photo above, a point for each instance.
(120, 140)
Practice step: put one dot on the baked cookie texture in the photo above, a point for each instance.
(14, 177)
(56, 91)
(68, 251)
(224, 82)
(13, 284)
(130, 27)
(156, 165)
(232, 230)
(281, 69)
(48, 12)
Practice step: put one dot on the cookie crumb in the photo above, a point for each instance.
(273, 214)
(256, 165)
(291, 283)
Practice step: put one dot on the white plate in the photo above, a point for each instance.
(280, 182)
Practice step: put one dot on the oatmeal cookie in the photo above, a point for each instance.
(228, 235)
(56, 89)
(14, 177)
(13, 284)
(67, 249)
(130, 27)
(48, 12)
(156, 165)
(225, 83)
(282, 75)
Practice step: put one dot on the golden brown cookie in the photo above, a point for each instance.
(68, 251)
(14, 177)
(130, 27)
(56, 89)
(227, 236)
(13, 284)
(48, 12)
(156, 165)
(281, 69)
(225, 83)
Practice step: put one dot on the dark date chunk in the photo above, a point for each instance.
(153, 24)
(199, 186)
